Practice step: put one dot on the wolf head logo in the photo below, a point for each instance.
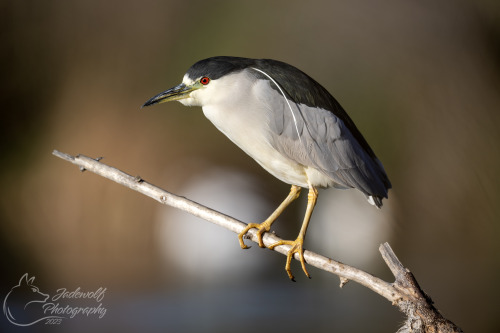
(19, 298)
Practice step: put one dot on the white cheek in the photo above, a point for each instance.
(188, 102)
(200, 97)
(195, 99)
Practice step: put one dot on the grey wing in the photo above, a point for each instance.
(317, 138)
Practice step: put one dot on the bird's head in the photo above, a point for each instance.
(205, 81)
(188, 92)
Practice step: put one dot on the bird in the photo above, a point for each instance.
(290, 125)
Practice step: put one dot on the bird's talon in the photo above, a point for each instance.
(261, 228)
(296, 247)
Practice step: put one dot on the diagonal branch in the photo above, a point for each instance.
(404, 292)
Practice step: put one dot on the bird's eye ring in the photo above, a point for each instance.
(205, 80)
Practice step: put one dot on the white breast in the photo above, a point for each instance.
(245, 122)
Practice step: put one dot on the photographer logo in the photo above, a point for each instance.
(26, 305)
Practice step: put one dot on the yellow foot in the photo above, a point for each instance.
(297, 247)
(261, 228)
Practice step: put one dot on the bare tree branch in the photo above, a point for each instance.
(405, 293)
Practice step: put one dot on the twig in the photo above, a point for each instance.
(405, 292)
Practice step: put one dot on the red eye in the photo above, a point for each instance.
(205, 80)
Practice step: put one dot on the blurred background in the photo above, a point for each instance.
(419, 78)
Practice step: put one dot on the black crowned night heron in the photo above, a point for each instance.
(290, 125)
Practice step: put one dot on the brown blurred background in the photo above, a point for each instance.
(419, 78)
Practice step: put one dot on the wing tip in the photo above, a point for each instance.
(375, 200)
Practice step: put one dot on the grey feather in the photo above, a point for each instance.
(321, 140)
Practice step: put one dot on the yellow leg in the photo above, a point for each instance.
(266, 225)
(298, 244)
